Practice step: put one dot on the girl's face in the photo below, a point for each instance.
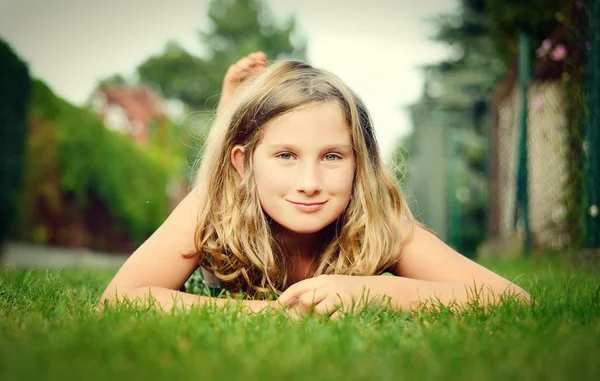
(304, 167)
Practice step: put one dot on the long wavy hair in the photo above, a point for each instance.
(234, 236)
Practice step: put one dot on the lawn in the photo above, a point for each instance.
(48, 332)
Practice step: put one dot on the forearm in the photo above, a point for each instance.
(167, 299)
(408, 294)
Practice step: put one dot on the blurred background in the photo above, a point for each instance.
(487, 111)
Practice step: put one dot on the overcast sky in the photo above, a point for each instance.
(375, 45)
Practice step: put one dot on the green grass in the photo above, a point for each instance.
(48, 332)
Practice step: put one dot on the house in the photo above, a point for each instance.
(134, 110)
(129, 109)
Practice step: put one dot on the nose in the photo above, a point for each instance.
(309, 179)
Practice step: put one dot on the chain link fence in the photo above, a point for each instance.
(563, 142)
(546, 165)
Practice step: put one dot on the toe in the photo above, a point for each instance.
(244, 63)
(258, 56)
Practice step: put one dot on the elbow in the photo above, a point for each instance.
(519, 294)
(106, 298)
(111, 295)
(525, 297)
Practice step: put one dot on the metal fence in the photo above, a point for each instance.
(548, 193)
(546, 165)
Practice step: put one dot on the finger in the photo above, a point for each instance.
(296, 314)
(326, 307)
(297, 310)
(297, 289)
(312, 297)
(336, 315)
(290, 296)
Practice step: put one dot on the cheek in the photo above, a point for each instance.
(271, 186)
(340, 182)
(272, 179)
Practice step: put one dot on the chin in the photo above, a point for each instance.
(305, 230)
(300, 223)
(307, 227)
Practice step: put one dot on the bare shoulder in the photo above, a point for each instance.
(159, 260)
(424, 256)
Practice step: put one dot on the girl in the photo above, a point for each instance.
(292, 199)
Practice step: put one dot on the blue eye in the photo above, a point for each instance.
(329, 157)
(285, 155)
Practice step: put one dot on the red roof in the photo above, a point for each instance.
(138, 102)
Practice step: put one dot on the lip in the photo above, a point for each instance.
(308, 207)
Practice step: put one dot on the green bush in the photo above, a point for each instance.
(14, 100)
(91, 160)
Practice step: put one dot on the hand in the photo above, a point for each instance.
(328, 295)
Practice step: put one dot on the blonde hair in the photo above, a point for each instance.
(234, 237)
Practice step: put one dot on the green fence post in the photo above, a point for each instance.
(522, 173)
(593, 127)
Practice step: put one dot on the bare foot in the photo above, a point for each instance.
(249, 66)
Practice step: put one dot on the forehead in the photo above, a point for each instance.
(317, 124)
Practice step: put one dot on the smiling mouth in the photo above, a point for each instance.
(308, 204)
(311, 207)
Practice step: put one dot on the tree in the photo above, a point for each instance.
(506, 18)
(178, 74)
(449, 116)
(14, 103)
(237, 28)
(467, 80)
(483, 35)
(87, 185)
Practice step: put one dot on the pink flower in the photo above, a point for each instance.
(540, 52)
(559, 52)
(544, 48)
(546, 44)
(579, 4)
(588, 46)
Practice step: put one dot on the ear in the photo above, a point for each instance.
(238, 154)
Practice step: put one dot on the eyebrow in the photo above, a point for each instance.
(330, 147)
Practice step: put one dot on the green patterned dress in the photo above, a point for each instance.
(200, 284)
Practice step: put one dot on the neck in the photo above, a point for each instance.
(301, 251)
(306, 245)
(298, 245)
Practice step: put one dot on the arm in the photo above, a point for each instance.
(168, 300)
(407, 294)
(429, 269)
(158, 265)
(158, 268)
(144, 271)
